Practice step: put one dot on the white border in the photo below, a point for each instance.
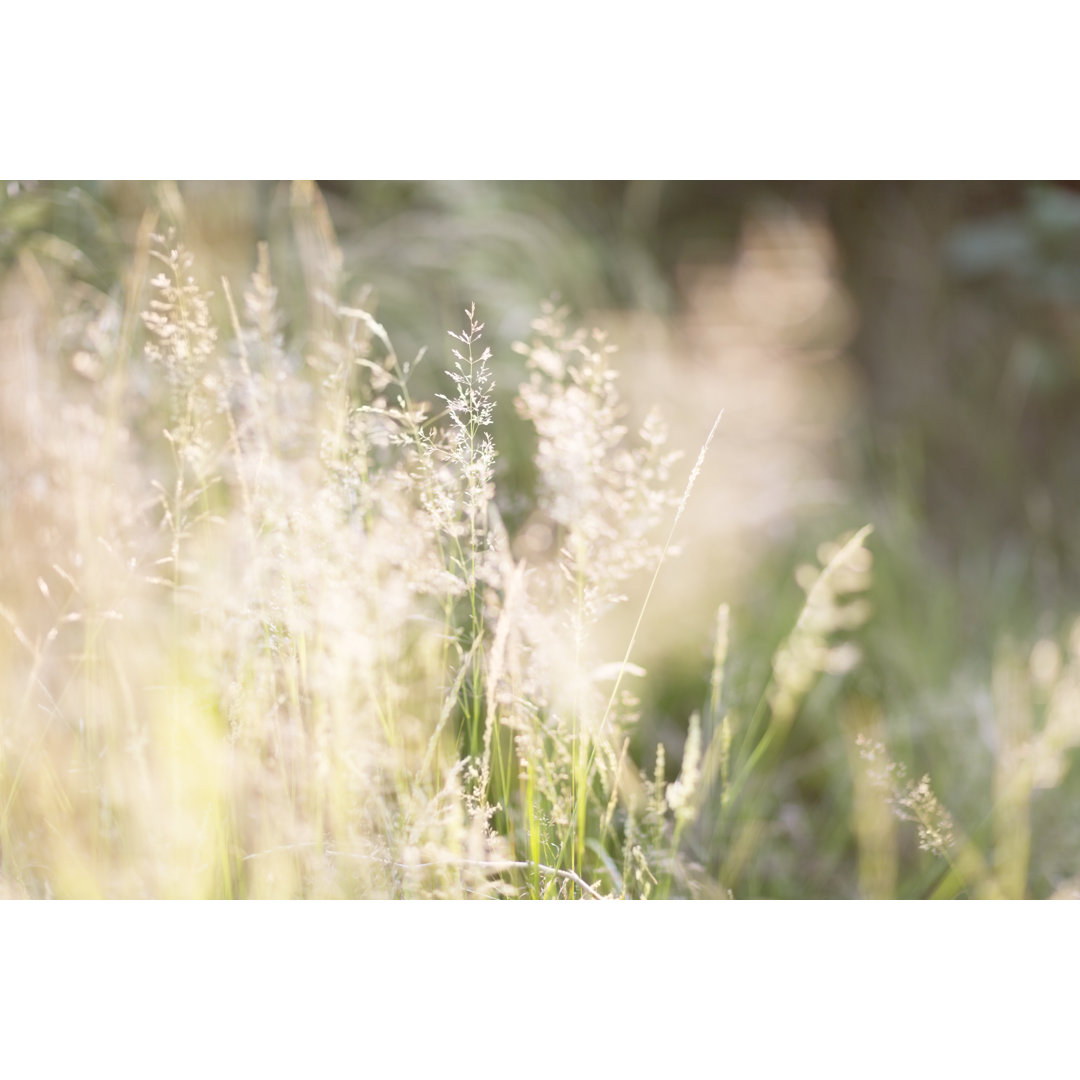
(558, 90)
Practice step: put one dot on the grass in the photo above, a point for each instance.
(274, 626)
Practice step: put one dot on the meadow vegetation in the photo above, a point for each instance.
(275, 623)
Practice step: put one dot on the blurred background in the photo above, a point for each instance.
(905, 355)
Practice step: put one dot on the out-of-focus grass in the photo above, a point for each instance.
(153, 747)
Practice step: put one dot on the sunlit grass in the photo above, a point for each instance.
(267, 631)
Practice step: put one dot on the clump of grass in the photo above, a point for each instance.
(720, 801)
(327, 674)
(282, 642)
